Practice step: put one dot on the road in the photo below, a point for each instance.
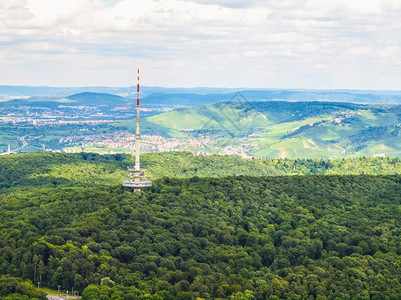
(393, 171)
(24, 144)
(59, 297)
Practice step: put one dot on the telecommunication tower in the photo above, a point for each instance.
(139, 180)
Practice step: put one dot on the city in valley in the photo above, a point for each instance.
(67, 127)
(124, 142)
(263, 123)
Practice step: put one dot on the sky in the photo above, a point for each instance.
(315, 44)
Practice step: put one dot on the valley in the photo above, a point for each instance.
(248, 123)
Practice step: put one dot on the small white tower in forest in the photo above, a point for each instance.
(139, 180)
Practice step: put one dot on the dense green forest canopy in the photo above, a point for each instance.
(233, 237)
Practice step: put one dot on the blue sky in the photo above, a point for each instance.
(320, 44)
(111, 2)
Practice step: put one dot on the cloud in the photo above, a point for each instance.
(287, 43)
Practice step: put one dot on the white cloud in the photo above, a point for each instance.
(287, 43)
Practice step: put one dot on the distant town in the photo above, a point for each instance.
(62, 127)
(124, 142)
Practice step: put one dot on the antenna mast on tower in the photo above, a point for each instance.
(139, 181)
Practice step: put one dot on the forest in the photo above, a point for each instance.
(65, 220)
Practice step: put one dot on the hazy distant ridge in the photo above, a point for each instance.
(204, 95)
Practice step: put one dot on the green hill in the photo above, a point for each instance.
(65, 220)
(87, 98)
(289, 129)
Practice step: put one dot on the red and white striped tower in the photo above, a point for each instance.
(139, 176)
(137, 135)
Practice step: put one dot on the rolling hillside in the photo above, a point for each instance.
(249, 121)
(203, 95)
(290, 129)
(87, 98)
